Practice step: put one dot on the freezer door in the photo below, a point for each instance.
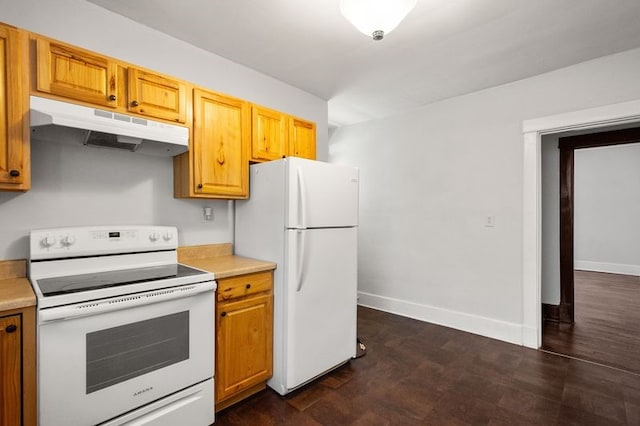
(321, 297)
(321, 195)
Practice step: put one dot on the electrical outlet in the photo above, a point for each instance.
(208, 214)
(489, 221)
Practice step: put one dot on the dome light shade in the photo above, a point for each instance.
(376, 18)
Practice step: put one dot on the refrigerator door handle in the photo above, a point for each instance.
(302, 212)
(299, 277)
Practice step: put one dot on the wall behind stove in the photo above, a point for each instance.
(76, 185)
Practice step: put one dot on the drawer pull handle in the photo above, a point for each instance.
(11, 328)
(248, 286)
(223, 314)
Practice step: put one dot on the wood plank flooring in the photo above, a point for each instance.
(420, 373)
(607, 322)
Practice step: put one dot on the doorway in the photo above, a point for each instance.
(605, 329)
(567, 146)
(533, 131)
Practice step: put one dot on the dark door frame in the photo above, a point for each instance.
(567, 145)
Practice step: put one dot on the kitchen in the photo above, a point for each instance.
(488, 287)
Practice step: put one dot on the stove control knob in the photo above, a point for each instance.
(48, 241)
(68, 240)
(153, 237)
(167, 236)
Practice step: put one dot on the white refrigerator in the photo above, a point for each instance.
(303, 215)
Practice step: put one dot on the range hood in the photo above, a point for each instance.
(55, 121)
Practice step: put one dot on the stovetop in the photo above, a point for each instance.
(97, 280)
(79, 264)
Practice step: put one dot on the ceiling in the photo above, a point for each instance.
(443, 48)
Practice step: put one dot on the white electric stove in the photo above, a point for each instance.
(125, 332)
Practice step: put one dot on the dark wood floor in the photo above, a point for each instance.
(420, 373)
(607, 321)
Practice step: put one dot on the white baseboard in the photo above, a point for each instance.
(530, 338)
(612, 268)
(488, 327)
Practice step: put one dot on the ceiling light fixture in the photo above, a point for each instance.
(376, 18)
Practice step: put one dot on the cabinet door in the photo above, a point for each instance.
(244, 344)
(156, 96)
(220, 140)
(14, 108)
(75, 73)
(269, 134)
(10, 371)
(302, 138)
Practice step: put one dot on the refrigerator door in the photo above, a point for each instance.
(320, 195)
(321, 297)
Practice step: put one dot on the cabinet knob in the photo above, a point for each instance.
(135, 103)
(112, 97)
(248, 286)
(223, 314)
(11, 328)
(199, 186)
(14, 173)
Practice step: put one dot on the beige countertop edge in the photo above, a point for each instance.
(230, 265)
(16, 293)
(15, 288)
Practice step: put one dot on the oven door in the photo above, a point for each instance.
(101, 359)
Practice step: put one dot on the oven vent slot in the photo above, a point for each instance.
(150, 295)
(124, 299)
(88, 305)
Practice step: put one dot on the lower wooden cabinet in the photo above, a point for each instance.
(10, 370)
(17, 368)
(244, 336)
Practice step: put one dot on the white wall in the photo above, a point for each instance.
(550, 280)
(430, 177)
(81, 186)
(607, 208)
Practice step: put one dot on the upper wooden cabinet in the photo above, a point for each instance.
(14, 110)
(79, 74)
(76, 73)
(217, 165)
(269, 134)
(302, 138)
(157, 96)
(276, 135)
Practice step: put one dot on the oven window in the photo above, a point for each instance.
(124, 352)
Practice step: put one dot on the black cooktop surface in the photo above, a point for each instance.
(93, 281)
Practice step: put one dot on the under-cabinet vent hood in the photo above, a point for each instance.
(55, 121)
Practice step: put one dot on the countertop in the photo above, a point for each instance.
(219, 259)
(16, 291)
(15, 288)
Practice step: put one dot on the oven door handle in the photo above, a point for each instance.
(95, 307)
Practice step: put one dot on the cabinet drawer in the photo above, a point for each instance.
(244, 285)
